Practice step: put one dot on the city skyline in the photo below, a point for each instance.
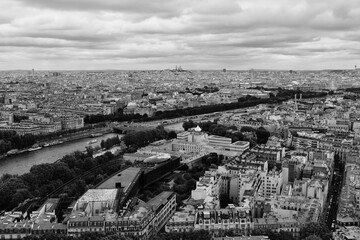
(207, 35)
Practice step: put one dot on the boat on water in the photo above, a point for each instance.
(93, 141)
(34, 149)
(56, 142)
(12, 152)
(96, 135)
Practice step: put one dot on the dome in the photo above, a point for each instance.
(197, 129)
(162, 157)
(131, 105)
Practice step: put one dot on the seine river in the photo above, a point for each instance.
(19, 164)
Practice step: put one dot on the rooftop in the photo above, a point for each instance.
(99, 195)
(350, 233)
(159, 200)
(242, 143)
(125, 177)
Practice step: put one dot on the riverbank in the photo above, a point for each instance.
(21, 163)
(96, 132)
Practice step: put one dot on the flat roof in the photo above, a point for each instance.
(50, 205)
(242, 143)
(159, 199)
(99, 195)
(218, 137)
(125, 177)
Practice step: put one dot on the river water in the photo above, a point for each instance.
(21, 163)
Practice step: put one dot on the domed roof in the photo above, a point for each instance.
(197, 129)
(131, 105)
(162, 157)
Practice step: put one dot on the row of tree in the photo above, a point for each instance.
(136, 139)
(196, 235)
(212, 159)
(311, 231)
(182, 185)
(243, 102)
(42, 179)
(84, 236)
(110, 142)
(262, 135)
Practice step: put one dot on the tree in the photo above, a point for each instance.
(89, 151)
(187, 176)
(195, 235)
(102, 144)
(262, 135)
(191, 185)
(313, 237)
(247, 129)
(88, 163)
(179, 180)
(187, 125)
(128, 163)
(273, 235)
(171, 135)
(318, 229)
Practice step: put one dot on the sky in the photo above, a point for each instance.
(196, 34)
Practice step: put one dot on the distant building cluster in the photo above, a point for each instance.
(41, 123)
(282, 184)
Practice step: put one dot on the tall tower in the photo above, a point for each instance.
(296, 104)
(252, 74)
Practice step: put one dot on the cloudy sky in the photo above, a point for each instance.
(196, 34)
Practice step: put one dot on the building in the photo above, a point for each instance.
(348, 214)
(96, 211)
(219, 221)
(182, 221)
(7, 116)
(71, 122)
(21, 129)
(272, 155)
(90, 211)
(347, 233)
(242, 238)
(208, 189)
(271, 184)
(198, 142)
(16, 225)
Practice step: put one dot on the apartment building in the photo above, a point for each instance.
(272, 155)
(17, 225)
(96, 211)
(347, 233)
(217, 221)
(21, 129)
(71, 122)
(271, 184)
(208, 188)
(182, 221)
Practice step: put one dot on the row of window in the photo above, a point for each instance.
(222, 221)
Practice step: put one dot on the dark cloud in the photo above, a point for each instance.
(200, 33)
(158, 7)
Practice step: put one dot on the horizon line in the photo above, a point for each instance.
(184, 70)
